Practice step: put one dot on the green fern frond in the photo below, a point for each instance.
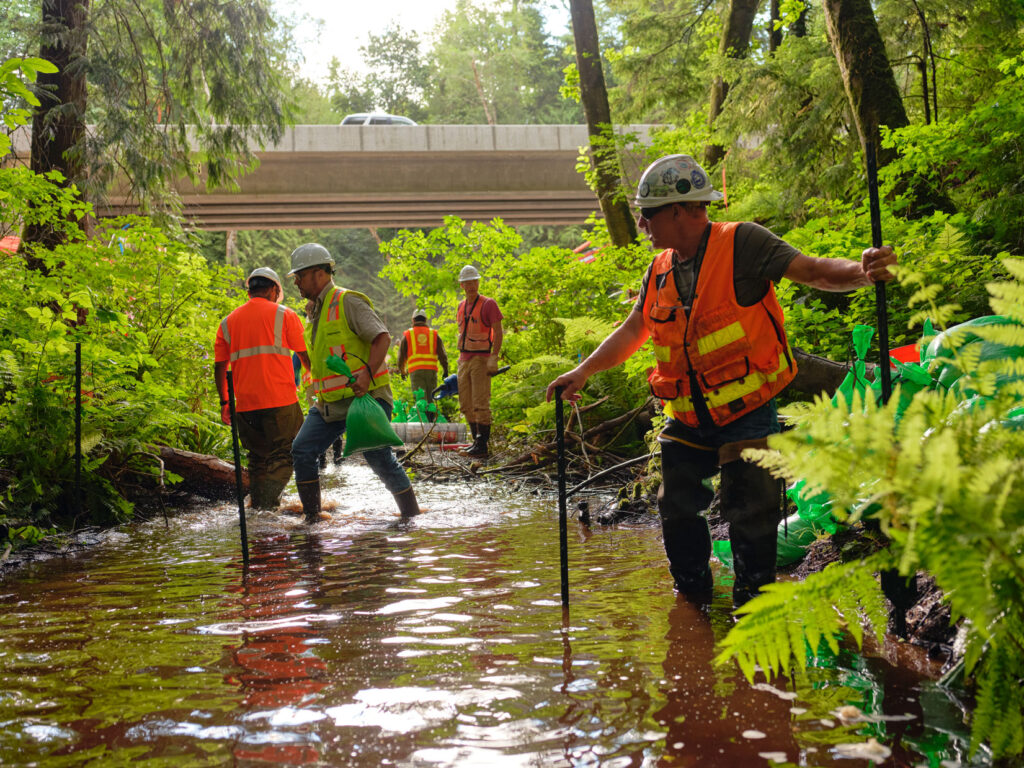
(999, 716)
(790, 620)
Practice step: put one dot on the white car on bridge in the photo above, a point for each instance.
(372, 118)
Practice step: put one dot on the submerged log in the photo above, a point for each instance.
(203, 475)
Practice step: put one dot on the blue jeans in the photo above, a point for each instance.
(316, 436)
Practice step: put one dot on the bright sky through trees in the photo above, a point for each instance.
(338, 29)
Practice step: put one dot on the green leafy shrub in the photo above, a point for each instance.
(143, 305)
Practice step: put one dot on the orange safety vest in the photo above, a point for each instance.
(474, 336)
(421, 348)
(261, 363)
(738, 356)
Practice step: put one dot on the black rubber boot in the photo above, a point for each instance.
(479, 447)
(309, 495)
(688, 547)
(407, 504)
(336, 447)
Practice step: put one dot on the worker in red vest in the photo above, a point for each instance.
(256, 342)
(480, 336)
(420, 354)
(708, 304)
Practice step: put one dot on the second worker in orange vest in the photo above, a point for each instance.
(480, 337)
(420, 355)
(257, 341)
(708, 305)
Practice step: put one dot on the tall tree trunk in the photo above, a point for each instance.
(739, 25)
(799, 27)
(867, 76)
(58, 124)
(871, 89)
(594, 94)
(774, 34)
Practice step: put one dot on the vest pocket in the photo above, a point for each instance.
(719, 376)
(663, 388)
(663, 314)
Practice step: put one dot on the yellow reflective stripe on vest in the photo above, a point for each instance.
(720, 338)
(726, 394)
(662, 354)
(277, 348)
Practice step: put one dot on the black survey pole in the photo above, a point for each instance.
(78, 429)
(902, 593)
(563, 536)
(238, 470)
(881, 310)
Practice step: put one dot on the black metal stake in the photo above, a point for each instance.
(563, 535)
(881, 308)
(238, 470)
(78, 429)
(902, 593)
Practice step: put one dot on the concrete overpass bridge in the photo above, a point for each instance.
(327, 176)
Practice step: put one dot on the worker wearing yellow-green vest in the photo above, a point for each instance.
(342, 323)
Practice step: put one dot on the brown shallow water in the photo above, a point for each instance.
(366, 643)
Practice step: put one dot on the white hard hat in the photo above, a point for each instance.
(419, 313)
(674, 179)
(309, 255)
(269, 274)
(469, 272)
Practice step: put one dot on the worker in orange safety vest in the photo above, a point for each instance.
(256, 342)
(420, 355)
(708, 305)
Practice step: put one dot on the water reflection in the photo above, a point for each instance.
(712, 716)
(442, 643)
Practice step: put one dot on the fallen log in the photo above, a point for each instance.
(202, 475)
(816, 375)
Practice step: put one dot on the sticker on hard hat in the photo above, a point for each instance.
(698, 179)
(669, 177)
(645, 189)
(682, 186)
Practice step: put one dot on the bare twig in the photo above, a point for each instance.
(605, 472)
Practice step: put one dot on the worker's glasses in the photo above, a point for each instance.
(650, 213)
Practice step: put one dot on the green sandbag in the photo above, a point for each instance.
(367, 427)
(962, 341)
(366, 424)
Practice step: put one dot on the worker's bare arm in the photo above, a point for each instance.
(616, 349)
(842, 274)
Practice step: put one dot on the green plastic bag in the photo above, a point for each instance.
(812, 519)
(366, 425)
